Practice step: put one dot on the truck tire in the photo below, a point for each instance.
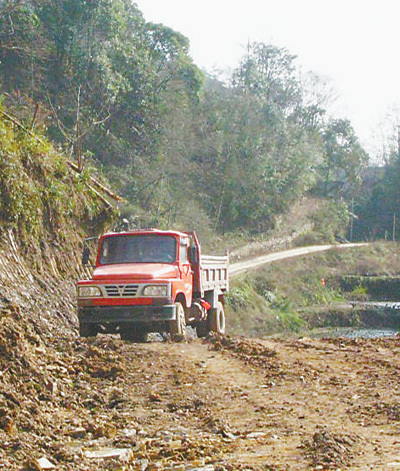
(87, 330)
(216, 319)
(177, 327)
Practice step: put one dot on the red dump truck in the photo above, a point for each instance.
(152, 281)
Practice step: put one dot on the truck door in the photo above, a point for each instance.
(186, 269)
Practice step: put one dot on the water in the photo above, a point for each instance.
(353, 333)
(377, 304)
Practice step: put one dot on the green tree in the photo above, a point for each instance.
(268, 72)
(378, 204)
(126, 93)
(21, 48)
(344, 159)
(249, 171)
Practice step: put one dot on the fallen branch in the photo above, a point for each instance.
(107, 203)
(96, 182)
(20, 125)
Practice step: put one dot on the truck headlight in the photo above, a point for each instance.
(88, 291)
(159, 291)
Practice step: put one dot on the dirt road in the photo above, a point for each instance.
(224, 404)
(240, 267)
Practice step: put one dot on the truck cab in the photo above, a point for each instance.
(152, 281)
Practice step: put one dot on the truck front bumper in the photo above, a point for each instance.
(126, 314)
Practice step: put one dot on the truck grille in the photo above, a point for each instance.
(120, 291)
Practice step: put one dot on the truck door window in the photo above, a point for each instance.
(184, 251)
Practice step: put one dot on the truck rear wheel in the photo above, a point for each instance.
(216, 319)
(177, 327)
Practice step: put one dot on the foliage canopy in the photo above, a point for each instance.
(181, 146)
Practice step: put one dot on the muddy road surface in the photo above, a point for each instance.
(220, 404)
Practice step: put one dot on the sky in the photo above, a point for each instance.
(355, 44)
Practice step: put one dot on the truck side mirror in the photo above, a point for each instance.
(85, 255)
(193, 254)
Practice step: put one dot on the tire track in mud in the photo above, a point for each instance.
(294, 404)
(222, 404)
(263, 409)
(231, 402)
(332, 389)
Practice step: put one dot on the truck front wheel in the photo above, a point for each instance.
(216, 319)
(177, 327)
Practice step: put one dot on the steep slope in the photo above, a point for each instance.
(45, 209)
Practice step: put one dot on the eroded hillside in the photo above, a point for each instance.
(47, 206)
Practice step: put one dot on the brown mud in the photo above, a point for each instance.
(220, 404)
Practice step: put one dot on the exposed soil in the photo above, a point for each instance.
(220, 404)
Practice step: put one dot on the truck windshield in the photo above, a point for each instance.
(138, 249)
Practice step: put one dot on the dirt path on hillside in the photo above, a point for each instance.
(225, 404)
(255, 262)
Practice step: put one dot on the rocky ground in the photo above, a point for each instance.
(220, 404)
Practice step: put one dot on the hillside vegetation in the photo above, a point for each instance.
(185, 148)
(42, 198)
